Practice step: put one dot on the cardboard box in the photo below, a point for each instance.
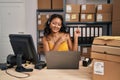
(44, 4)
(102, 56)
(116, 10)
(88, 8)
(106, 49)
(57, 4)
(42, 20)
(104, 8)
(107, 40)
(107, 45)
(115, 28)
(105, 67)
(87, 17)
(72, 17)
(73, 8)
(103, 17)
(86, 52)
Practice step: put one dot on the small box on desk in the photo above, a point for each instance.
(85, 52)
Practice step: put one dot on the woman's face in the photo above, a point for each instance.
(55, 25)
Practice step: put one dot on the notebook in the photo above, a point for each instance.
(62, 59)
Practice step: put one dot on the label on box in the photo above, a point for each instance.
(73, 16)
(39, 16)
(99, 68)
(82, 16)
(47, 16)
(67, 18)
(39, 22)
(99, 17)
(99, 7)
(41, 33)
(68, 8)
(85, 50)
(89, 16)
(83, 7)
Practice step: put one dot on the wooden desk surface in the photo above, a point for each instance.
(83, 73)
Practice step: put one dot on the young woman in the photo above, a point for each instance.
(55, 36)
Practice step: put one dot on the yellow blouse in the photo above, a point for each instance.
(62, 47)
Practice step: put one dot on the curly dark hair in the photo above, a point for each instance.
(47, 29)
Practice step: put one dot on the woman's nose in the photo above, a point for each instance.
(56, 25)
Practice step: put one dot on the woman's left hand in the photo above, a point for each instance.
(77, 33)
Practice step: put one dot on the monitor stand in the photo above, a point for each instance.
(19, 67)
(40, 65)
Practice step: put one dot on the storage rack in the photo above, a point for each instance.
(84, 41)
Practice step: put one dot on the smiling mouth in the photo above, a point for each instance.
(55, 28)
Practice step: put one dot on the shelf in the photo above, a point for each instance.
(49, 10)
(88, 23)
(85, 45)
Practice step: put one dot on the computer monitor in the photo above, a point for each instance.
(24, 50)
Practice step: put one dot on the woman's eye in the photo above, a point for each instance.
(56, 24)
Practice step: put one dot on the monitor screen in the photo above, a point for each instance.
(23, 44)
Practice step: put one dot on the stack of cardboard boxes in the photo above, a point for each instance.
(72, 13)
(50, 4)
(106, 58)
(104, 13)
(88, 13)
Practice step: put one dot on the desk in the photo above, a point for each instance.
(83, 73)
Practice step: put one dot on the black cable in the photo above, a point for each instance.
(27, 74)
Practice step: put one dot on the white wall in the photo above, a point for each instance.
(16, 16)
(31, 26)
(12, 21)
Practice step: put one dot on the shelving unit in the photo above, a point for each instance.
(91, 28)
(40, 32)
(84, 39)
(96, 26)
